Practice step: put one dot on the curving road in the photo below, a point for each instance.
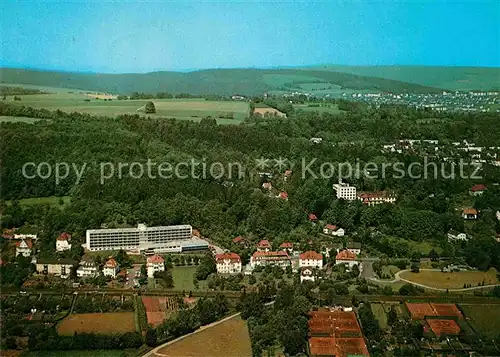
(398, 278)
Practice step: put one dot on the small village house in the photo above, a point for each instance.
(469, 213)
(264, 246)
(262, 258)
(311, 259)
(87, 269)
(283, 196)
(346, 257)
(307, 274)
(267, 186)
(228, 263)
(454, 235)
(155, 263)
(354, 247)
(24, 247)
(63, 242)
(478, 190)
(57, 267)
(287, 246)
(333, 230)
(111, 268)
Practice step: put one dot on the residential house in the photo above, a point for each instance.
(228, 263)
(154, 263)
(111, 268)
(376, 198)
(334, 230)
(57, 267)
(286, 246)
(316, 140)
(264, 258)
(307, 274)
(469, 213)
(344, 191)
(312, 218)
(62, 242)
(267, 186)
(311, 259)
(287, 174)
(264, 246)
(283, 196)
(346, 257)
(87, 269)
(354, 247)
(454, 235)
(478, 190)
(241, 241)
(24, 247)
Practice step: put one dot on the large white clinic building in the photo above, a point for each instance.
(345, 191)
(168, 239)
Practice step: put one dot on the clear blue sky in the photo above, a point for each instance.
(144, 36)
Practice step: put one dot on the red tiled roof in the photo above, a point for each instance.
(345, 255)
(379, 194)
(233, 257)
(478, 187)
(237, 239)
(312, 217)
(7, 236)
(264, 244)
(332, 227)
(310, 255)
(283, 195)
(271, 255)
(469, 211)
(155, 259)
(29, 243)
(286, 245)
(443, 327)
(111, 263)
(64, 236)
(288, 172)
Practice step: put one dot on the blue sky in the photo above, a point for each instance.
(118, 37)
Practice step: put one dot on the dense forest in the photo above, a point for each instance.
(225, 207)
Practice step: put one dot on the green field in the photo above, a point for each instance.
(52, 201)
(332, 109)
(380, 314)
(80, 353)
(183, 278)
(190, 109)
(484, 319)
(5, 119)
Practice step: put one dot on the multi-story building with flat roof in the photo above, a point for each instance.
(156, 239)
(345, 191)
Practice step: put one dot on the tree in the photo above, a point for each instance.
(252, 280)
(415, 268)
(165, 278)
(151, 337)
(149, 108)
(392, 316)
(207, 266)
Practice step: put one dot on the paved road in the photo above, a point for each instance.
(398, 278)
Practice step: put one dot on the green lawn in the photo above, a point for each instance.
(379, 312)
(183, 278)
(82, 353)
(184, 109)
(485, 319)
(51, 200)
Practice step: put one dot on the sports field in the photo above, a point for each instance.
(484, 319)
(184, 109)
(110, 322)
(229, 338)
(454, 280)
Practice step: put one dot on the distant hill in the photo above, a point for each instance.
(449, 78)
(216, 81)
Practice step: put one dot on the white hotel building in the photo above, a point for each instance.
(345, 191)
(171, 239)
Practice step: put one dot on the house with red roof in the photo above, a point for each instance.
(312, 217)
(62, 242)
(279, 258)
(264, 246)
(155, 263)
(111, 268)
(469, 213)
(228, 263)
(346, 257)
(24, 247)
(376, 198)
(478, 190)
(333, 230)
(241, 241)
(311, 259)
(287, 246)
(283, 196)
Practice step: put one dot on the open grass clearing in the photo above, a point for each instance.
(332, 109)
(104, 323)
(454, 280)
(227, 339)
(380, 314)
(484, 319)
(9, 119)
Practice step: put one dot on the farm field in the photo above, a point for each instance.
(229, 338)
(82, 353)
(51, 200)
(454, 280)
(111, 322)
(184, 109)
(484, 319)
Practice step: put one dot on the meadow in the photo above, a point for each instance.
(484, 319)
(453, 280)
(104, 323)
(183, 109)
(229, 338)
